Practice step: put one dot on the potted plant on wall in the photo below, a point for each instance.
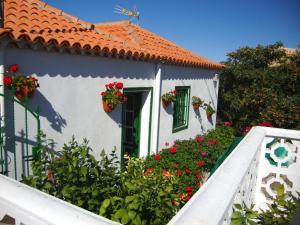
(196, 102)
(168, 97)
(209, 110)
(22, 86)
(113, 96)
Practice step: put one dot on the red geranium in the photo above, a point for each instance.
(13, 68)
(179, 173)
(174, 92)
(247, 129)
(7, 81)
(187, 198)
(198, 176)
(204, 154)
(188, 188)
(103, 93)
(119, 94)
(265, 124)
(187, 170)
(124, 98)
(199, 139)
(227, 123)
(119, 85)
(175, 166)
(181, 195)
(167, 144)
(156, 157)
(200, 163)
(211, 142)
(173, 150)
(198, 184)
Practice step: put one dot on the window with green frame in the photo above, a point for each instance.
(181, 108)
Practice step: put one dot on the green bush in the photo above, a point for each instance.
(261, 84)
(280, 212)
(191, 160)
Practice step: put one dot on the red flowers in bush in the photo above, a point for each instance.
(166, 174)
(7, 81)
(199, 139)
(187, 170)
(119, 85)
(156, 157)
(13, 68)
(204, 154)
(179, 173)
(173, 150)
(188, 188)
(200, 163)
(227, 123)
(265, 124)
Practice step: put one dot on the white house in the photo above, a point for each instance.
(74, 59)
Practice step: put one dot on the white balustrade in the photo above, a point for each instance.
(29, 206)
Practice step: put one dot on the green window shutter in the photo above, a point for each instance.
(181, 108)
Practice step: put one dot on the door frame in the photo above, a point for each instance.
(137, 89)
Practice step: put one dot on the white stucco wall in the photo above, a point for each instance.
(202, 85)
(70, 102)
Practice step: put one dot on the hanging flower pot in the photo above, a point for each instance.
(166, 103)
(113, 96)
(21, 93)
(196, 102)
(209, 111)
(196, 106)
(22, 86)
(106, 107)
(168, 97)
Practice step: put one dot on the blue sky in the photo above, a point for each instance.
(210, 28)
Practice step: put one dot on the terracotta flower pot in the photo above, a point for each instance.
(165, 103)
(31, 92)
(21, 93)
(196, 106)
(106, 107)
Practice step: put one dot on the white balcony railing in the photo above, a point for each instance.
(32, 207)
(265, 158)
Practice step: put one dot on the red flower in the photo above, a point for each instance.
(175, 166)
(179, 173)
(211, 142)
(124, 98)
(187, 198)
(173, 150)
(187, 170)
(7, 81)
(33, 78)
(167, 144)
(119, 94)
(111, 85)
(174, 203)
(247, 129)
(198, 176)
(199, 139)
(204, 154)
(181, 195)
(149, 170)
(103, 93)
(188, 188)
(119, 85)
(166, 174)
(13, 68)
(227, 123)
(200, 163)
(265, 124)
(174, 92)
(198, 184)
(156, 157)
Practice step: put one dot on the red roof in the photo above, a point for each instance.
(36, 21)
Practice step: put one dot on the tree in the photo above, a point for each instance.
(261, 84)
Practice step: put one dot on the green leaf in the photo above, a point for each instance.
(132, 214)
(280, 190)
(236, 215)
(238, 206)
(105, 203)
(129, 199)
(137, 220)
(121, 213)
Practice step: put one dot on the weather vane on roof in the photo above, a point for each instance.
(132, 14)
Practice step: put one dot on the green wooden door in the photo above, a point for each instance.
(132, 123)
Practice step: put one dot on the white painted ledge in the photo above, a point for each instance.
(33, 207)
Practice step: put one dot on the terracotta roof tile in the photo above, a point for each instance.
(35, 20)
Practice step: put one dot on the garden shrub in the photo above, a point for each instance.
(261, 84)
(280, 212)
(191, 160)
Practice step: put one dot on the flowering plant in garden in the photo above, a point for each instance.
(191, 160)
(196, 102)
(112, 96)
(22, 86)
(168, 97)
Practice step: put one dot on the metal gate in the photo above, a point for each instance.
(19, 136)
